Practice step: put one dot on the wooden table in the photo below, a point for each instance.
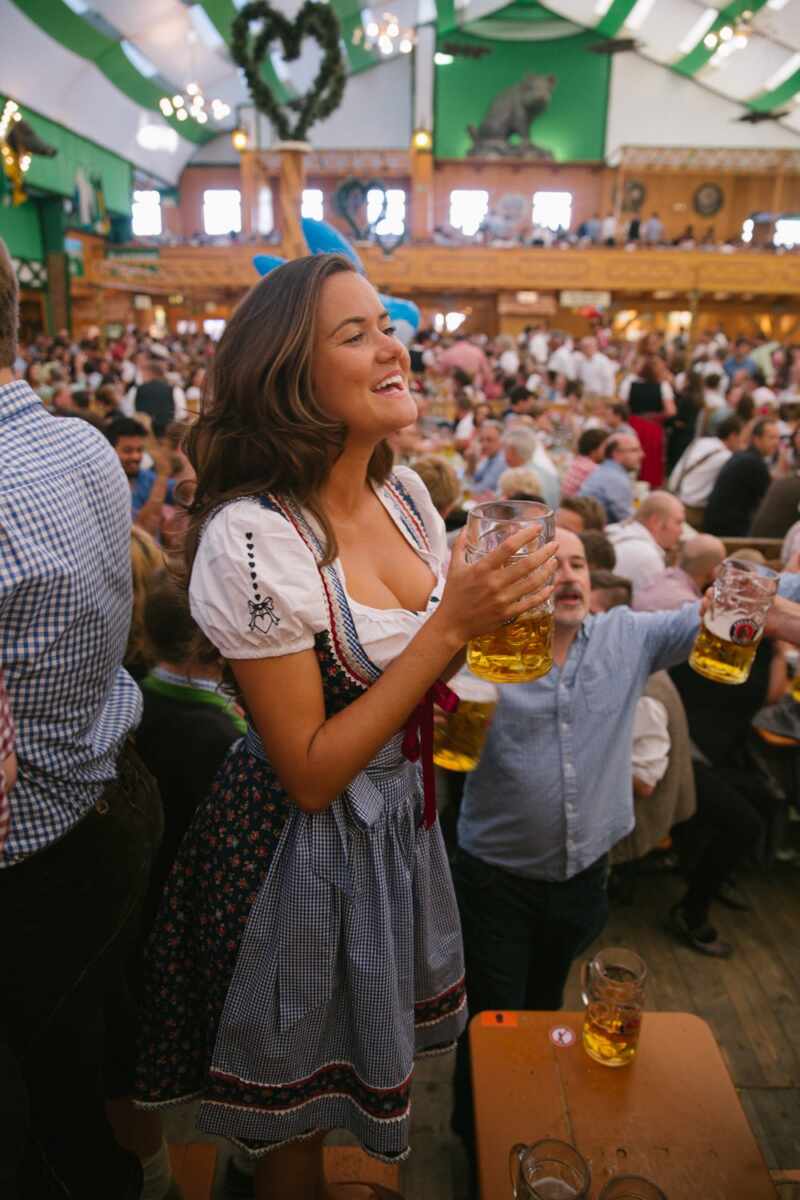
(672, 1115)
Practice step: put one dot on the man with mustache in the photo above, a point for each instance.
(550, 797)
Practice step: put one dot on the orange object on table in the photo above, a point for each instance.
(672, 1115)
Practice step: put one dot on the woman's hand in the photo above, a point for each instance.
(479, 597)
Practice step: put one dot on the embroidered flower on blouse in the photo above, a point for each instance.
(261, 609)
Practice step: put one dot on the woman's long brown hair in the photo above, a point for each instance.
(261, 428)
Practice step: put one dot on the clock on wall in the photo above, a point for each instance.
(708, 199)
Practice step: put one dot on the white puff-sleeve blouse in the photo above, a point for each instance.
(255, 589)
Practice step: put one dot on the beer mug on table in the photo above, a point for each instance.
(613, 992)
(520, 650)
(548, 1170)
(458, 742)
(734, 622)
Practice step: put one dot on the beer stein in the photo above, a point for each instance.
(457, 744)
(631, 1187)
(613, 992)
(734, 622)
(548, 1170)
(522, 649)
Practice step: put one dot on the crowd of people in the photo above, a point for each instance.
(230, 574)
(500, 228)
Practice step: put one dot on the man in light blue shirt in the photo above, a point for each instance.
(611, 483)
(493, 463)
(553, 792)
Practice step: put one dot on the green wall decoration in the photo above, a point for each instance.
(573, 126)
(21, 231)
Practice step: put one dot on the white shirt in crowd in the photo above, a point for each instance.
(651, 741)
(695, 473)
(608, 230)
(539, 346)
(509, 363)
(562, 360)
(598, 374)
(639, 556)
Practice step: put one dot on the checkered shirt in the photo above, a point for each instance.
(65, 610)
(6, 748)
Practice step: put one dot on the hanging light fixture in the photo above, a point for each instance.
(733, 36)
(194, 104)
(384, 33)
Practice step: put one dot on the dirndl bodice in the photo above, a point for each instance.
(343, 958)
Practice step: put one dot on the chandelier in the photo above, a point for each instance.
(194, 106)
(384, 34)
(729, 38)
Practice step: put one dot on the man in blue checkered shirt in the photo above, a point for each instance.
(86, 814)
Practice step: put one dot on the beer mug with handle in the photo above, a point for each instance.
(522, 649)
(734, 622)
(548, 1170)
(613, 992)
(458, 740)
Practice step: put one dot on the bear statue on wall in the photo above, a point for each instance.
(511, 112)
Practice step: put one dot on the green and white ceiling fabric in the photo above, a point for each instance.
(100, 67)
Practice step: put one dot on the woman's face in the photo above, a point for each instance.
(360, 368)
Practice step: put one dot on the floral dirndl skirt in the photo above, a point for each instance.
(300, 961)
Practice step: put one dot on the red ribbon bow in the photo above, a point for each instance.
(418, 741)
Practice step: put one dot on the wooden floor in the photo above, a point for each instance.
(752, 1003)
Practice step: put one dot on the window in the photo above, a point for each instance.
(146, 214)
(313, 204)
(449, 322)
(552, 210)
(468, 207)
(394, 222)
(266, 215)
(214, 327)
(787, 231)
(222, 211)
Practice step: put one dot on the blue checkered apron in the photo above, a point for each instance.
(350, 963)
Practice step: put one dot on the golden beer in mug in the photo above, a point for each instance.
(521, 650)
(733, 625)
(457, 745)
(613, 992)
(516, 653)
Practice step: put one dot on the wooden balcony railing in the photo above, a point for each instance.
(424, 268)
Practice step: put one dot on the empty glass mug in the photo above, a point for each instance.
(613, 992)
(457, 744)
(548, 1170)
(631, 1187)
(734, 623)
(521, 650)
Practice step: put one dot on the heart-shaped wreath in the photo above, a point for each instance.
(314, 20)
(350, 200)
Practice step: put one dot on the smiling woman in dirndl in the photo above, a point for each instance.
(308, 944)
